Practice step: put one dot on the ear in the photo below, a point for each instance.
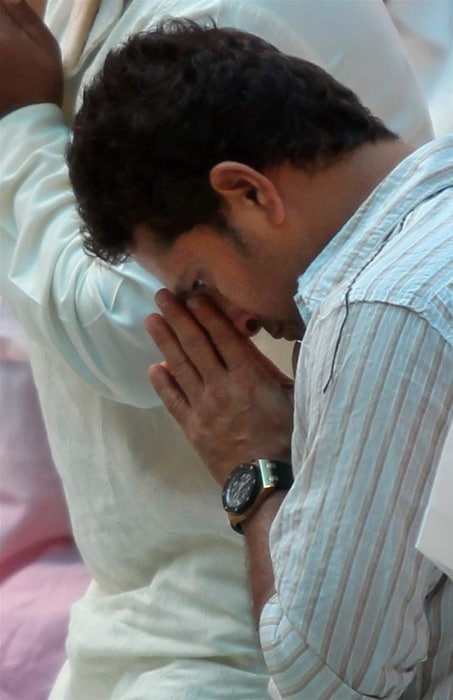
(243, 187)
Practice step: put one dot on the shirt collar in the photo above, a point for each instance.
(421, 175)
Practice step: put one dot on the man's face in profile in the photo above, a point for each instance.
(253, 290)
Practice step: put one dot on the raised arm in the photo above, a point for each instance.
(89, 314)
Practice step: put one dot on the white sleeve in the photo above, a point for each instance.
(89, 313)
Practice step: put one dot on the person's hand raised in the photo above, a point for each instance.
(30, 62)
(233, 404)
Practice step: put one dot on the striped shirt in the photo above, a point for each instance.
(358, 612)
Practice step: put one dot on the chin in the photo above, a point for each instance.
(286, 330)
(293, 335)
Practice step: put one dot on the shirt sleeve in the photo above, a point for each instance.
(87, 312)
(351, 614)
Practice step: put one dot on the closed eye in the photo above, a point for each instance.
(197, 285)
(195, 288)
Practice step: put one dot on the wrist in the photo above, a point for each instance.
(263, 517)
(250, 485)
(256, 530)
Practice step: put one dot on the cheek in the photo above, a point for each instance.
(228, 294)
(229, 308)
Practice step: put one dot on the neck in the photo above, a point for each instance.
(322, 203)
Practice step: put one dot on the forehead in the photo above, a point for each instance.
(152, 255)
(195, 252)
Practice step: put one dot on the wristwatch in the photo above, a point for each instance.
(249, 484)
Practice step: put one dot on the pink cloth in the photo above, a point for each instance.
(34, 608)
(41, 573)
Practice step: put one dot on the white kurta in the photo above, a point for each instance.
(168, 613)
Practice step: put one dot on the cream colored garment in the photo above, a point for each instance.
(168, 614)
(79, 27)
(435, 539)
(426, 28)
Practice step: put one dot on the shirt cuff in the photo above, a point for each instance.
(297, 671)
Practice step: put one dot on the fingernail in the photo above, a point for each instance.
(162, 296)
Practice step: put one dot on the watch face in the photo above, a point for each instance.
(241, 488)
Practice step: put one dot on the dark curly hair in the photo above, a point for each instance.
(171, 103)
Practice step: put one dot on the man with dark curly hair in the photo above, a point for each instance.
(239, 174)
(171, 104)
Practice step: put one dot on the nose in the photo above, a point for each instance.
(246, 323)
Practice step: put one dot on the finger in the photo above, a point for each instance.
(169, 393)
(5, 17)
(38, 7)
(231, 346)
(192, 337)
(178, 363)
(234, 348)
(21, 15)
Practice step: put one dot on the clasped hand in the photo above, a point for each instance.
(30, 63)
(232, 403)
